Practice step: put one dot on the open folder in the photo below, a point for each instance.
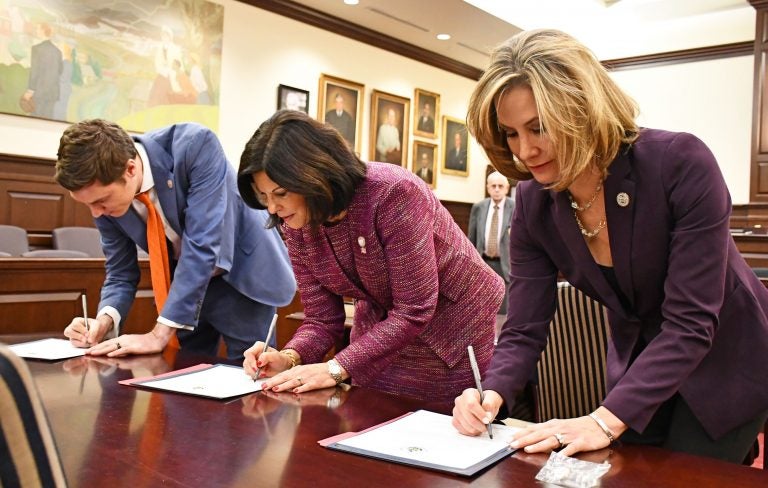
(207, 380)
(428, 440)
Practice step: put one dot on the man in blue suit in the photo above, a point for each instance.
(228, 271)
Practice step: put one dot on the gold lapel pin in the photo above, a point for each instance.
(361, 243)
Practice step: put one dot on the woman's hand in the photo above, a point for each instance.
(469, 416)
(301, 378)
(271, 362)
(575, 435)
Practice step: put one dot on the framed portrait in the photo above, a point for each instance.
(455, 147)
(292, 98)
(389, 128)
(425, 162)
(426, 113)
(341, 105)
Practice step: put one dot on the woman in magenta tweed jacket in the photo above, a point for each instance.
(375, 233)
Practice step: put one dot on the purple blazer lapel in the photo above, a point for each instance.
(588, 274)
(329, 272)
(620, 211)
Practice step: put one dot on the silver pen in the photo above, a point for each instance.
(476, 373)
(266, 343)
(85, 313)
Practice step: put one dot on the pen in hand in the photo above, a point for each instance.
(85, 313)
(478, 384)
(266, 343)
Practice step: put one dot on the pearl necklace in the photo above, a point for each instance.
(575, 204)
(589, 234)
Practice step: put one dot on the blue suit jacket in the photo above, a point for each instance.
(696, 309)
(197, 192)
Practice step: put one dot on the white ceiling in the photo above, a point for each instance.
(612, 28)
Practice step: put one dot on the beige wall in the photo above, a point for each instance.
(262, 50)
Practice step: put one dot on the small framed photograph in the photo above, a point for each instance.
(292, 98)
(455, 147)
(426, 111)
(425, 162)
(389, 128)
(341, 105)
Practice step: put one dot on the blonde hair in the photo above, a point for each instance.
(586, 116)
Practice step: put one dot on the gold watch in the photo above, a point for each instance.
(334, 369)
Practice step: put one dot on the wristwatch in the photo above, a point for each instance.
(334, 369)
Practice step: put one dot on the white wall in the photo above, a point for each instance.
(261, 50)
(711, 99)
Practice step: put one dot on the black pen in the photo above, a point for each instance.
(476, 373)
(266, 343)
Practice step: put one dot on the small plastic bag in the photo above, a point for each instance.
(570, 472)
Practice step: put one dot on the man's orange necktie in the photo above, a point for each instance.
(159, 266)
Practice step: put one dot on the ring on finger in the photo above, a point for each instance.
(560, 438)
(118, 346)
(300, 382)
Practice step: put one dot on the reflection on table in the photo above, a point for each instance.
(114, 435)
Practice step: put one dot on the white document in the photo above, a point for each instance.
(428, 438)
(216, 381)
(49, 349)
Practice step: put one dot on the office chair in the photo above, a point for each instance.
(571, 371)
(84, 239)
(32, 459)
(13, 240)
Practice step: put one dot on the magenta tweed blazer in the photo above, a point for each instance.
(422, 293)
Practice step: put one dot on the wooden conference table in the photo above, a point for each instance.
(114, 435)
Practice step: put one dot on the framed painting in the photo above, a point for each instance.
(426, 112)
(290, 98)
(341, 105)
(425, 162)
(455, 150)
(389, 128)
(142, 64)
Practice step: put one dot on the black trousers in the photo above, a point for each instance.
(675, 427)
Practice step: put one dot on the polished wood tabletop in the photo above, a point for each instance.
(114, 435)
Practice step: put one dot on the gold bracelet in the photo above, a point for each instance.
(292, 355)
(602, 426)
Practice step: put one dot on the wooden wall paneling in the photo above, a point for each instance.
(29, 197)
(460, 213)
(759, 160)
(56, 286)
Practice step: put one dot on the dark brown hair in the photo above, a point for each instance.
(93, 150)
(303, 156)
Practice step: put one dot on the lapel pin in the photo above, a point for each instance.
(361, 243)
(622, 199)
(169, 183)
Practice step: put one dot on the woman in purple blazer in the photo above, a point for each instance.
(374, 232)
(638, 219)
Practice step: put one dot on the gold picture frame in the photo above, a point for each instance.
(390, 115)
(455, 155)
(424, 164)
(340, 104)
(426, 113)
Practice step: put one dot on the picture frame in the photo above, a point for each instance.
(426, 113)
(424, 164)
(341, 105)
(390, 115)
(455, 155)
(292, 98)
